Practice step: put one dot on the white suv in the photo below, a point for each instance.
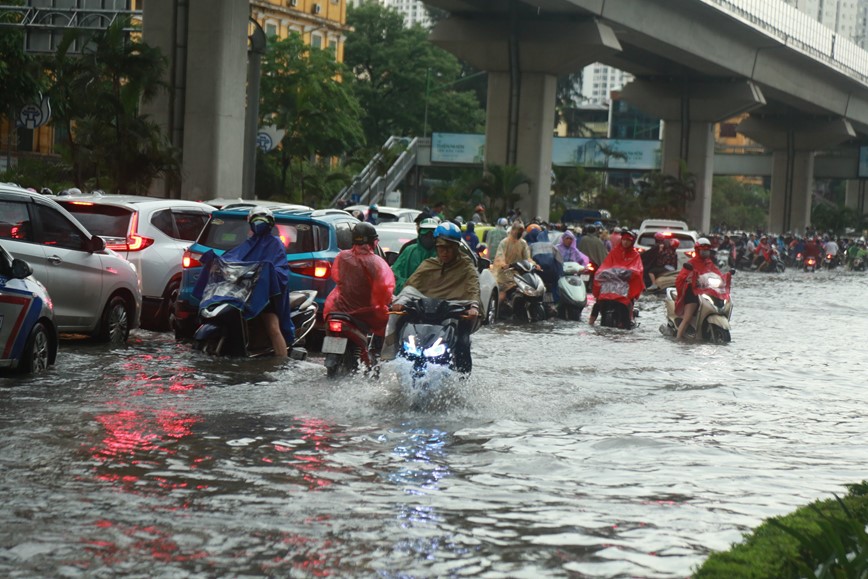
(152, 234)
(94, 290)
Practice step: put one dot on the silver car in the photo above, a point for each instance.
(94, 290)
(393, 236)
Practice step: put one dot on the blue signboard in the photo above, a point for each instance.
(457, 148)
(607, 154)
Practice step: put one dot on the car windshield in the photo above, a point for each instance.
(393, 240)
(102, 220)
(298, 237)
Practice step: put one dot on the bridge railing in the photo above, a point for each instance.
(800, 31)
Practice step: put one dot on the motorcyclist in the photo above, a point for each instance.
(511, 250)
(857, 251)
(495, 235)
(548, 259)
(623, 256)
(566, 245)
(470, 236)
(364, 281)
(413, 255)
(831, 248)
(812, 248)
(660, 259)
(685, 284)
(449, 276)
(373, 216)
(592, 246)
(763, 254)
(265, 248)
(479, 214)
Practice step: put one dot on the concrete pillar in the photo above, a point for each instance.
(794, 141)
(689, 109)
(855, 195)
(206, 44)
(524, 58)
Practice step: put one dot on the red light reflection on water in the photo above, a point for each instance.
(150, 540)
(311, 457)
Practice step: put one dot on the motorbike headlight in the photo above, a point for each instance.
(436, 350)
(410, 346)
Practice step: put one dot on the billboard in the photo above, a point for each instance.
(457, 148)
(623, 154)
(863, 162)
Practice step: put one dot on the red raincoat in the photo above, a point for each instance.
(688, 278)
(623, 282)
(365, 283)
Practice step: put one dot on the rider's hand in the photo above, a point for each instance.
(396, 308)
(472, 313)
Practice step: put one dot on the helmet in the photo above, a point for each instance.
(459, 220)
(660, 236)
(502, 222)
(429, 223)
(260, 219)
(627, 232)
(448, 232)
(703, 243)
(364, 233)
(373, 207)
(598, 224)
(533, 227)
(46, 191)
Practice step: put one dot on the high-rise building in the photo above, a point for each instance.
(846, 17)
(598, 82)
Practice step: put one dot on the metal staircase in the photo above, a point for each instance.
(373, 182)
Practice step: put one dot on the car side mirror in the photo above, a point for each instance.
(97, 244)
(484, 264)
(391, 257)
(21, 269)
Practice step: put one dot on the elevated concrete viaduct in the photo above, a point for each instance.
(696, 62)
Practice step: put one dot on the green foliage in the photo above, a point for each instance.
(826, 539)
(302, 94)
(738, 205)
(38, 172)
(96, 97)
(395, 70)
(835, 218)
(666, 196)
(20, 76)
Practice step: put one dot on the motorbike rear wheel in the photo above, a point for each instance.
(342, 364)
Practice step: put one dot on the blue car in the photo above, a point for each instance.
(28, 336)
(312, 238)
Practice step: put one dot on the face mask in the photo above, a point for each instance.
(705, 254)
(260, 228)
(427, 240)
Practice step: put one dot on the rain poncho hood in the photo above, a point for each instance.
(572, 252)
(619, 277)
(408, 261)
(263, 250)
(456, 281)
(509, 251)
(698, 278)
(364, 287)
(594, 248)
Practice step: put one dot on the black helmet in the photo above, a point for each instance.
(364, 233)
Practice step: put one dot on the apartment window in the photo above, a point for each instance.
(316, 40)
(271, 30)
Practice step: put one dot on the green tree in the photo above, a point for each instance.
(666, 196)
(738, 205)
(396, 69)
(97, 95)
(304, 92)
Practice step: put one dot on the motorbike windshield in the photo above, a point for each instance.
(615, 281)
(231, 280)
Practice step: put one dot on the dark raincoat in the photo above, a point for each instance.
(271, 283)
(619, 277)
(364, 287)
(408, 260)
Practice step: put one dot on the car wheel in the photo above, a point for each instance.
(491, 312)
(115, 325)
(37, 352)
(170, 296)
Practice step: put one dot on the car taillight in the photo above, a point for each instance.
(690, 253)
(134, 241)
(336, 326)
(191, 259)
(312, 268)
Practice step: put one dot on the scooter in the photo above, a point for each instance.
(573, 294)
(614, 313)
(430, 332)
(349, 342)
(830, 261)
(711, 321)
(227, 329)
(809, 264)
(524, 301)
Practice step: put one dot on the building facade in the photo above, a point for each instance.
(414, 11)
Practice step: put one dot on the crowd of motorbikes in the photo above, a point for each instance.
(428, 332)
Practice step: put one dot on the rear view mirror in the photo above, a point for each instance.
(391, 257)
(21, 269)
(484, 264)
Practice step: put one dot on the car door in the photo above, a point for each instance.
(75, 275)
(16, 229)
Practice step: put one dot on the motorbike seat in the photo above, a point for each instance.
(362, 326)
(296, 299)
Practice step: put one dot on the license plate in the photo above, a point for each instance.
(586, 277)
(333, 345)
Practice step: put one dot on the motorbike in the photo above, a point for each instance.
(227, 327)
(573, 294)
(774, 265)
(525, 300)
(614, 313)
(347, 343)
(858, 264)
(830, 261)
(809, 264)
(711, 321)
(429, 333)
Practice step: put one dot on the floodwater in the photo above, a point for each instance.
(570, 452)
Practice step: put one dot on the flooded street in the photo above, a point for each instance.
(571, 451)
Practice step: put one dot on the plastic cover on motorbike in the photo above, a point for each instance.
(364, 287)
(620, 276)
(703, 278)
(266, 251)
